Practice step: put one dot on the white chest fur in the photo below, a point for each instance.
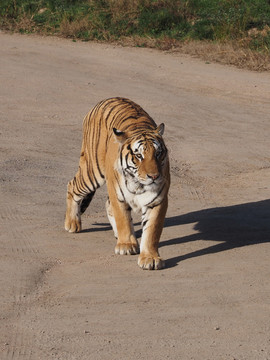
(140, 197)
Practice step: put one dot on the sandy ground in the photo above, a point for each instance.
(67, 296)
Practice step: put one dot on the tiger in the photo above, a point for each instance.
(123, 147)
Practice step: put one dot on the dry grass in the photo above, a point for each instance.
(24, 24)
(228, 53)
(68, 29)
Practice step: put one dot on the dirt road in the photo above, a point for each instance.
(67, 296)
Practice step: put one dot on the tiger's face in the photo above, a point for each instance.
(145, 160)
(143, 157)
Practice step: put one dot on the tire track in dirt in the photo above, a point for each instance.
(22, 232)
(193, 186)
(29, 267)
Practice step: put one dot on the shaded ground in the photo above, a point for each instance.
(66, 296)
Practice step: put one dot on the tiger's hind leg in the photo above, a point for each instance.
(77, 203)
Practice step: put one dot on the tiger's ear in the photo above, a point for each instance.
(160, 129)
(120, 136)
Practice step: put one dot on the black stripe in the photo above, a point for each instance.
(77, 201)
(89, 178)
(114, 122)
(110, 101)
(121, 158)
(126, 158)
(77, 186)
(132, 192)
(129, 148)
(129, 172)
(96, 148)
(144, 223)
(88, 188)
(156, 197)
(116, 178)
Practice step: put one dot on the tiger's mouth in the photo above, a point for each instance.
(148, 181)
(140, 181)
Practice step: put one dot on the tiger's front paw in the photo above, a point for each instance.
(126, 249)
(149, 262)
(73, 225)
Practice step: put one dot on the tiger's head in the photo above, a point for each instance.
(143, 156)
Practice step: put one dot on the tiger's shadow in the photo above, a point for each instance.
(231, 227)
(97, 227)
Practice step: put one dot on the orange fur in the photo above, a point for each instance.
(123, 147)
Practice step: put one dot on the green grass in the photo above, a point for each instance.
(211, 20)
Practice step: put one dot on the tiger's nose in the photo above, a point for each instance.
(153, 176)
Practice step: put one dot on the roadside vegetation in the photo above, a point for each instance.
(229, 31)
